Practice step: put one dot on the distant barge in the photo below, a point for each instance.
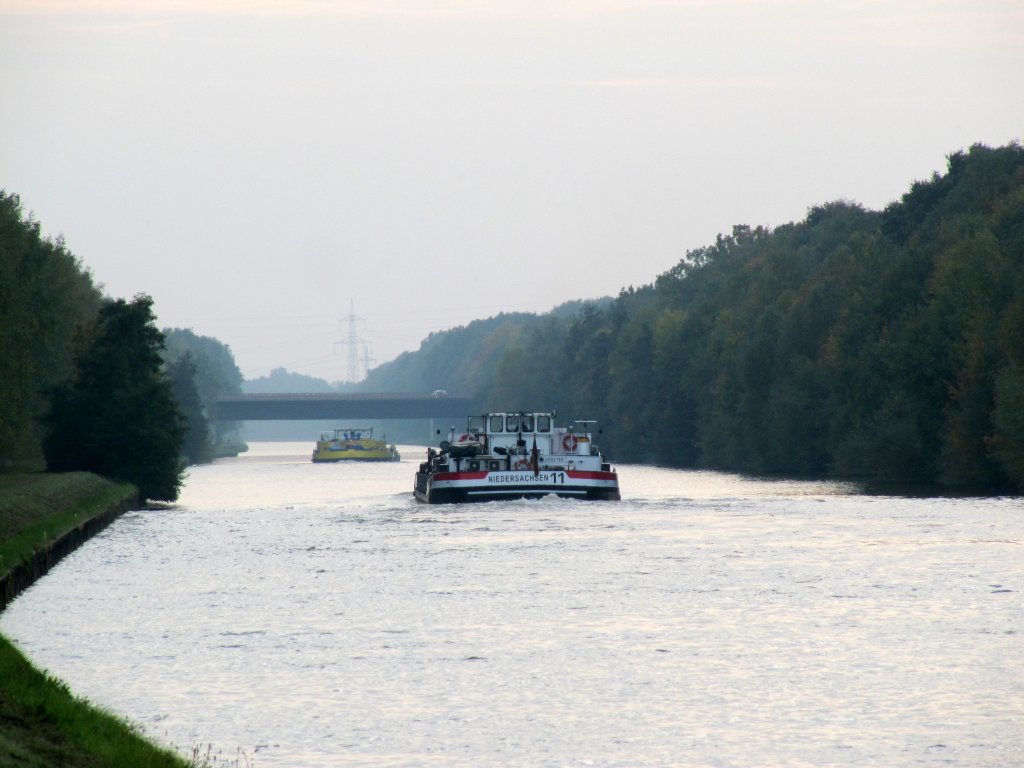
(353, 445)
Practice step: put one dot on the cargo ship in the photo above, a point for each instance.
(514, 456)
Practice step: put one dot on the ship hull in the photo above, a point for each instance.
(325, 453)
(329, 459)
(467, 487)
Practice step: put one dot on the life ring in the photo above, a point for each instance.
(569, 442)
(522, 464)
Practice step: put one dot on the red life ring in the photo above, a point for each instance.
(522, 464)
(569, 442)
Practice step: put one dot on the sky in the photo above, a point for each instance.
(265, 169)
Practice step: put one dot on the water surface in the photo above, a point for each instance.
(317, 615)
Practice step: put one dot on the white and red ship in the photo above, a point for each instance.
(514, 456)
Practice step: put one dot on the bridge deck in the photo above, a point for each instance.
(363, 405)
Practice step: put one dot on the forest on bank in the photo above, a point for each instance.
(87, 381)
(877, 344)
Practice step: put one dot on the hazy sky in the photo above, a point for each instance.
(255, 165)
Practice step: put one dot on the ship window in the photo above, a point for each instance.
(527, 423)
(493, 465)
(511, 423)
(496, 423)
(543, 423)
(474, 466)
(476, 424)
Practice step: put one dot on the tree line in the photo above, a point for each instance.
(879, 344)
(88, 382)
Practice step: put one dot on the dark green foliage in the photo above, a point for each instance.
(216, 372)
(181, 373)
(45, 297)
(117, 415)
(887, 345)
(1007, 440)
(213, 373)
(461, 360)
(47, 301)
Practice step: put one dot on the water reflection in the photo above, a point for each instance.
(317, 615)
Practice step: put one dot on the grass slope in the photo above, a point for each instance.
(42, 724)
(37, 508)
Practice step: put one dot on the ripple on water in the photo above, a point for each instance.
(316, 615)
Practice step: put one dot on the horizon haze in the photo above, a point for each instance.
(259, 167)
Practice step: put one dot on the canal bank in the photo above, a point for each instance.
(44, 517)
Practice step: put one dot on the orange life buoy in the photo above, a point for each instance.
(569, 442)
(522, 464)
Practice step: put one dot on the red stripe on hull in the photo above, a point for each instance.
(460, 475)
(581, 474)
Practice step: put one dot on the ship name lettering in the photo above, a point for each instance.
(523, 477)
(527, 477)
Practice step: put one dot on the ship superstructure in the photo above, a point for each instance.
(511, 455)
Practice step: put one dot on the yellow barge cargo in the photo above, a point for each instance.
(356, 444)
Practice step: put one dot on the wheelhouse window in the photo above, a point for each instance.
(496, 423)
(476, 424)
(543, 423)
(526, 422)
(512, 423)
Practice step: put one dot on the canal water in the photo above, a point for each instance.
(290, 614)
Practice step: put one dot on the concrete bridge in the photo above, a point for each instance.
(361, 405)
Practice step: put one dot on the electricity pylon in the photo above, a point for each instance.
(352, 346)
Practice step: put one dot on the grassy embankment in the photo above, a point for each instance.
(42, 724)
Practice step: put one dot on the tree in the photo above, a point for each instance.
(117, 415)
(181, 373)
(886, 344)
(216, 372)
(1007, 444)
(45, 297)
(213, 372)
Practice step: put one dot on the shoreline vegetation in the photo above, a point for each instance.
(42, 723)
(886, 345)
(880, 345)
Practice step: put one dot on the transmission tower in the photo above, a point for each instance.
(352, 344)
